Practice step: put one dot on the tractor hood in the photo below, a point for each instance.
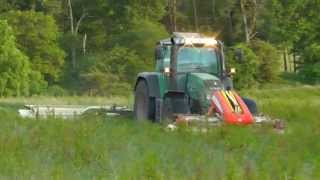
(200, 87)
(203, 80)
(204, 76)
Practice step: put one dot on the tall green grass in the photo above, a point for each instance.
(104, 148)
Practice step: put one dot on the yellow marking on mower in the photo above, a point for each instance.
(232, 99)
(236, 103)
(227, 100)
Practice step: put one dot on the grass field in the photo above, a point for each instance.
(102, 148)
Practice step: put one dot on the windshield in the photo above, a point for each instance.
(193, 59)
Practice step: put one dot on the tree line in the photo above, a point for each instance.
(66, 47)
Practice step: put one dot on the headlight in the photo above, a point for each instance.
(208, 97)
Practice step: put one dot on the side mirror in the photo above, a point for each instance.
(159, 53)
(239, 55)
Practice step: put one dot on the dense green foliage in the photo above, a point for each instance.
(65, 41)
(16, 76)
(37, 36)
(102, 148)
(247, 68)
(269, 61)
(311, 70)
(118, 65)
(260, 64)
(295, 26)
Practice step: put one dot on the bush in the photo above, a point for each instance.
(261, 64)
(105, 84)
(110, 73)
(37, 37)
(310, 71)
(37, 83)
(15, 68)
(247, 70)
(142, 37)
(119, 61)
(269, 61)
(57, 91)
(311, 54)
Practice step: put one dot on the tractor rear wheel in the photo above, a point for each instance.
(142, 102)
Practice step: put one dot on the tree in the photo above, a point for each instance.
(269, 61)
(135, 39)
(5, 6)
(247, 70)
(15, 71)
(310, 70)
(249, 17)
(195, 15)
(37, 36)
(110, 73)
(74, 30)
(24, 4)
(172, 11)
(119, 61)
(97, 83)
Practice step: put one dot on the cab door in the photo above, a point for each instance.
(163, 54)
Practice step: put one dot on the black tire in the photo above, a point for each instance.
(252, 105)
(143, 107)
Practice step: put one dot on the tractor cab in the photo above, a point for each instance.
(190, 53)
(190, 68)
(185, 54)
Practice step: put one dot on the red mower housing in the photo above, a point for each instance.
(231, 108)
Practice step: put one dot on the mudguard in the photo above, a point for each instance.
(152, 80)
(231, 108)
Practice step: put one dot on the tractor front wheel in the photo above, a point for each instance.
(251, 104)
(142, 102)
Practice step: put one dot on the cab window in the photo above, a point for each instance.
(194, 59)
(165, 60)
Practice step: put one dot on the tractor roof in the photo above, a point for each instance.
(188, 38)
(187, 35)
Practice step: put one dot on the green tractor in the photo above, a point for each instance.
(190, 80)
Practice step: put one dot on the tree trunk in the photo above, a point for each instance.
(294, 61)
(195, 13)
(83, 16)
(33, 6)
(213, 10)
(172, 15)
(253, 22)
(231, 28)
(73, 48)
(285, 60)
(84, 44)
(245, 21)
(71, 17)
